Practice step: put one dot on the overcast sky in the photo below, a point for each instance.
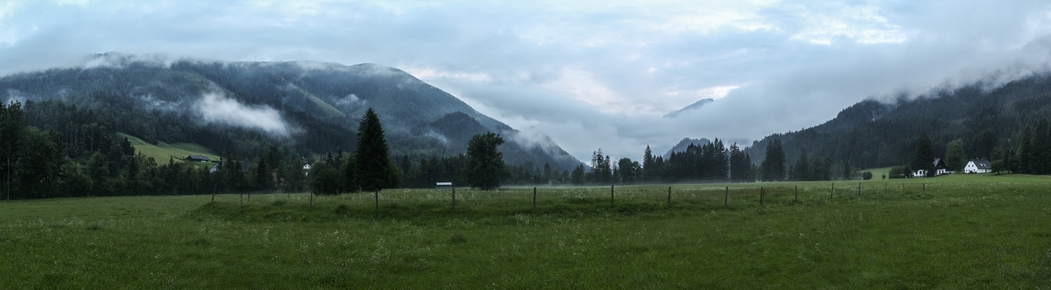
(590, 74)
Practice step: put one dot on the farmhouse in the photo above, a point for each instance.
(939, 168)
(977, 166)
(197, 158)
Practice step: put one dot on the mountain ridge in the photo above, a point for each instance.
(312, 104)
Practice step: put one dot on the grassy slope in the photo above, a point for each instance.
(325, 106)
(163, 151)
(964, 231)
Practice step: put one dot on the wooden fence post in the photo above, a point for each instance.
(859, 188)
(454, 197)
(832, 193)
(924, 187)
(797, 193)
(534, 197)
(761, 193)
(669, 196)
(726, 197)
(611, 194)
(311, 200)
(241, 199)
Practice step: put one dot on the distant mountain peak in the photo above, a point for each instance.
(694, 106)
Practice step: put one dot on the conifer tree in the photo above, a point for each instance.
(802, 168)
(648, 171)
(373, 168)
(774, 164)
(1025, 150)
(11, 131)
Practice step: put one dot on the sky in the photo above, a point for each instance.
(589, 74)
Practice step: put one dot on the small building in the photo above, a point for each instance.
(939, 169)
(443, 184)
(977, 166)
(198, 158)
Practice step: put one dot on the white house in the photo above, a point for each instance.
(977, 166)
(939, 169)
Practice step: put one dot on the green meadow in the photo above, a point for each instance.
(162, 152)
(961, 231)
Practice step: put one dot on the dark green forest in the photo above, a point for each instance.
(988, 121)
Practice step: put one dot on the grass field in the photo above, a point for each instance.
(163, 151)
(963, 231)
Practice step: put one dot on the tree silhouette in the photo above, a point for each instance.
(485, 165)
(373, 167)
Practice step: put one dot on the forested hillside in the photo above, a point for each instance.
(988, 122)
(240, 109)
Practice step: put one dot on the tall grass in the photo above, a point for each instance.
(975, 231)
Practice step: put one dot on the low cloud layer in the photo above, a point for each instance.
(217, 108)
(588, 74)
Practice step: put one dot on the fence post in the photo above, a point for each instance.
(797, 193)
(454, 197)
(726, 197)
(311, 200)
(669, 196)
(610, 194)
(859, 188)
(832, 192)
(249, 196)
(241, 199)
(761, 193)
(924, 187)
(885, 185)
(534, 197)
(377, 199)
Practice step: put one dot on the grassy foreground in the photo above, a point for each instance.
(964, 231)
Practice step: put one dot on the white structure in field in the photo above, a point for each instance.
(977, 166)
(939, 169)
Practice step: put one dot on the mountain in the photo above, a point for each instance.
(691, 107)
(683, 144)
(986, 116)
(312, 106)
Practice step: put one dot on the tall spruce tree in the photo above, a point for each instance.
(648, 171)
(774, 164)
(485, 165)
(11, 131)
(738, 166)
(924, 155)
(1025, 150)
(1041, 143)
(373, 167)
(802, 168)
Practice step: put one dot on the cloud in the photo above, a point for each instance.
(588, 74)
(217, 108)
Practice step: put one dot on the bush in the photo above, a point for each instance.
(899, 172)
(866, 175)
